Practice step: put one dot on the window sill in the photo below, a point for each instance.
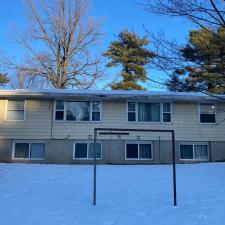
(71, 121)
(194, 160)
(87, 159)
(208, 123)
(138, 159)
(27, 159)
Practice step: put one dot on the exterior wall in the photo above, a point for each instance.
(38, 125)
(217, 151)
(113, 152)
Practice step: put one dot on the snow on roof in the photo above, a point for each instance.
(47, 93)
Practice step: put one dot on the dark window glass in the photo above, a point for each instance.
(131, 106)
(60, 105)
(96, 106)
(207, 118)
(132, 151)
(166, 117)
(81, 150)
(15, 105)
(201, 151)
(166, 107)
(37, 150)
(15, 110)
(186, 152)
(131, 116)
(21, 150)
(78, 111)
(149, 112)
(145, 151)
(59, 115)
(95, 116)
(91, 150)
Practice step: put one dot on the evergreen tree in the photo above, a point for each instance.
(3, 79)
(131, 53)
(178, 83)
(206, 54)
(174, 83)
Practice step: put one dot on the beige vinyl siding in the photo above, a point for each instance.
(38, 124)
(185, 122)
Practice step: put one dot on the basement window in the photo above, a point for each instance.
(84, 150)
(138, 151)
(194, 152)
(27, 150)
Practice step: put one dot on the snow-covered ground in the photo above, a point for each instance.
(126, 195)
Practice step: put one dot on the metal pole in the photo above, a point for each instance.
(174, 170)
(94, 162)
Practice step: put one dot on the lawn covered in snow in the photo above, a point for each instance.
(126, 195)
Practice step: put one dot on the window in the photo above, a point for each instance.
(194, 152)
(138, 151)
(131, 111)
(148, 112)
(207, 113)
(77, 111)
(15, 110)
(95, 111)
(59, 110)
(166, 112)
(26, 150)
(86, 151)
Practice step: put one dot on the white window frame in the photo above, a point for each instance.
(100, 111)
(199, 113)
(138, 143)
(26, 142)
(74, 121)
(64, 111)
(171, 112)
(193, 149)
(127, 111)
(88, 144)
(161, 112)
(24, 110)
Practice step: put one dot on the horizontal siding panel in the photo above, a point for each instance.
(39, 115)
(36, 125)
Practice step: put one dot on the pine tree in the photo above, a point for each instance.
(174, 83)
(131, 53)
(206, 54)
(179, 83)
(3, 79)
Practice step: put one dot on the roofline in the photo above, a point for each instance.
(108, 95)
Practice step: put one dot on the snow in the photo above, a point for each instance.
(126, 195)
(106, 92)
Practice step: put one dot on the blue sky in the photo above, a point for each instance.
(116, 15)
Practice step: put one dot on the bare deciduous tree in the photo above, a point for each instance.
(58, 40)
(203, 13)
(206, 15)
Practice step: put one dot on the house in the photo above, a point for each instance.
(57, 126)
